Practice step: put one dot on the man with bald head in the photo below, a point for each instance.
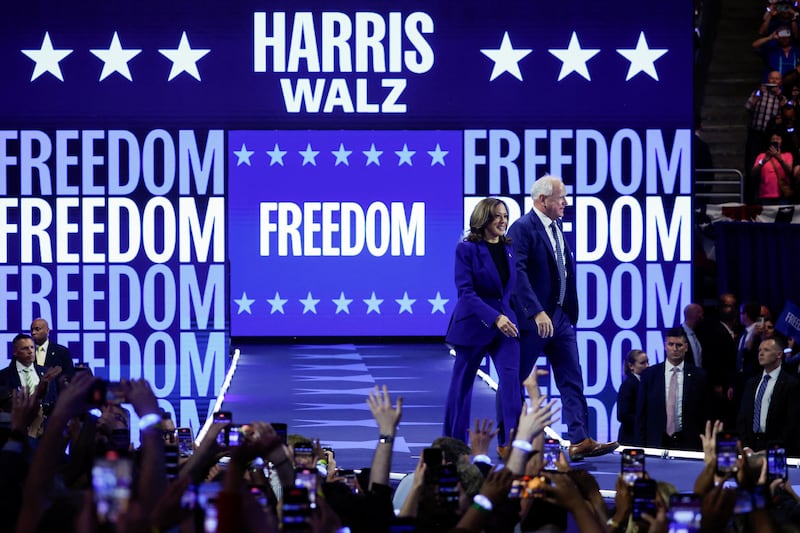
(48, 353)
(692, 318)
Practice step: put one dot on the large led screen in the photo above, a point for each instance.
(174, 173)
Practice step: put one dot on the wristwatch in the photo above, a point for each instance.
(385, 439)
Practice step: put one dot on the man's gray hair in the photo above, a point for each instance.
(543, 185)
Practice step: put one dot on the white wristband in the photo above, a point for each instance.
(483, 502)
(523, 445)
(148, 421)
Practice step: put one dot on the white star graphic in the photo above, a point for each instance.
(276, 155)
(309, 304)
(574, 58)
(506, 58)
(405, 156)
(642, 58)
(342, 304)
(184, 58)
(438, 303)
(244, 304)
(405, 304)
(115, 59)
(277, 304)
(243, 155)
(373, 304)
(437, 155)
(309, 155)
(342, 155)
(47, 58)
(373, 155)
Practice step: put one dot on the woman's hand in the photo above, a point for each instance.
(506, 326)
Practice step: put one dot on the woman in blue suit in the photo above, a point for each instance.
(483, 321)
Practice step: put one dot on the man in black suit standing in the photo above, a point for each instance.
(770, 407)
(23, 370)
(48, 353)
(673, 399)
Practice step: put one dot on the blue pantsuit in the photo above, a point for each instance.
(482, 297)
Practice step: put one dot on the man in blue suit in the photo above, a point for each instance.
(673, 400)
(546, 302)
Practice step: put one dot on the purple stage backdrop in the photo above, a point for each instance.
(174, 173)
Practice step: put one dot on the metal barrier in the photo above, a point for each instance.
(733, 188)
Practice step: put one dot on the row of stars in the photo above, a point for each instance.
(115, 58)
(574, 58)
(342, 304)
(342, 155)
(506, 58)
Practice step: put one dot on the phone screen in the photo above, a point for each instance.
(684, 513)
(185, 442)
(223, 417)
(727, 452)
(111, 484)
(448, 485)
(776, 462)
(304, 454)
(644, 498)
(552, 453)
(235, 435)
(307, 478)
(296, 514)
(632, 464)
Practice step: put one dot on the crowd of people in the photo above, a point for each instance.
(771, 153)
(732, 366)
(74, 473)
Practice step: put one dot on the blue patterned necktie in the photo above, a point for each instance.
(562, 271)
(757, 406)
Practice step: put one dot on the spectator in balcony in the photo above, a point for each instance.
(763, 104)
(772, 175)
(777, 15)
(778, 51)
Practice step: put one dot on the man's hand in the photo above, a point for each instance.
(497, 485)
(531, 383)
(387, 417)
(533, 419)
(709, 440)
(44, 382)
(24, 409)
(481, 436)
(544, 325)
(142, 398)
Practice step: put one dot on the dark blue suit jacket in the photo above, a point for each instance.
(651, 406)
(782, 416)
(626, 410)
(481, 295)
(538, 290)
(9, 377)
(58, 355)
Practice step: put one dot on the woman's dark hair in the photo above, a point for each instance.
(630, 359)
(482, 216)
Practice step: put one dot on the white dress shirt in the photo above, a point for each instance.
(678, 393)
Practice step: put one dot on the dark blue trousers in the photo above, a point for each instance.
(504, 352)
(561, 351)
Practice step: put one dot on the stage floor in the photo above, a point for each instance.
(319, 391)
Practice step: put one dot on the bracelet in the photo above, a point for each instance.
(523, 445)
(148, 421)
(482, 503)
